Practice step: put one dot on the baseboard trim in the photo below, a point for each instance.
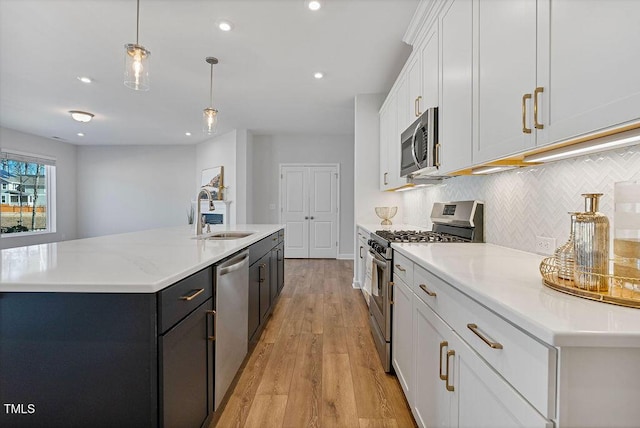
(345, 257)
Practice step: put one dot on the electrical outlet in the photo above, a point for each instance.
(545, 245)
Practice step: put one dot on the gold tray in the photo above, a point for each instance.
(622, 291)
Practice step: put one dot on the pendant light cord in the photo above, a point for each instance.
(137, 22)
(211, 88)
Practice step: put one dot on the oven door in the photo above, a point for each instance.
(379, 306)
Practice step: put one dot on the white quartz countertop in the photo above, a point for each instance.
(138, 262)
(508, 282)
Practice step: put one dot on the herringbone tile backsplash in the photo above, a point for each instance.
(534, 201)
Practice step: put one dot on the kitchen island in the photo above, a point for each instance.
(511, 351)
(120, 330)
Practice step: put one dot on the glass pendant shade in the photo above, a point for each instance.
(209, 121)
(136, 67)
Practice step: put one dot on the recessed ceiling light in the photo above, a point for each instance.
(318, 75)
(188, 134)
(80, 134)
(314, 5)
(81, 116)
(225, 25)
(84, 79)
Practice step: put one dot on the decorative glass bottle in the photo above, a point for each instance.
(626, 241)
(565, 255)
(591, 236)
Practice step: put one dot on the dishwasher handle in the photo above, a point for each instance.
(234, 264)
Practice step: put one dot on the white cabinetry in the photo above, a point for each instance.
(361, 267)
(466, 374)
(455, 113)
(504, 77)
(430, 60)
(432, 405)
(588, 66)
(390, 145)
(402, 350)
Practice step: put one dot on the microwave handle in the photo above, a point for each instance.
(413, 146)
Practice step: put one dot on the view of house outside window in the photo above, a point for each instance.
(24, 194)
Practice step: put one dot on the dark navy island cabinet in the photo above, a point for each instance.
(108, 360)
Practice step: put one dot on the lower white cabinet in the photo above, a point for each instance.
(402, 349)
(454, 387)
(447, 379)
(432, 402)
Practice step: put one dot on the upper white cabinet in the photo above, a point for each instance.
(430, 60)
(504, 77)
(455, 112)
(588, 66)
(390, 145)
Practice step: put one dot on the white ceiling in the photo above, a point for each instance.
(264, 81)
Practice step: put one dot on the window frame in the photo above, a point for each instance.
(50, 182)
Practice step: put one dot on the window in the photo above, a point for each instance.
(27, 194)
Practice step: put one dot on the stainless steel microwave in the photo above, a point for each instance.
(419, 154)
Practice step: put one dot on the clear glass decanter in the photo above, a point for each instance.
(591, 236)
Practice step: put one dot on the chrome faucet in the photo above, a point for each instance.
(200, 219)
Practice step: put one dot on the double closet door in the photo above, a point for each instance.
(309, 210)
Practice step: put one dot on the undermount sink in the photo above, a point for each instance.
(220, 236)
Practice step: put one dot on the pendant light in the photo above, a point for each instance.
(136, 62)
(210, 114)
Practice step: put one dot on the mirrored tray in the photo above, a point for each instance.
(622, 291)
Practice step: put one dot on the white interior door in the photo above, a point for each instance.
(309, 198)
(294, 190)
(323, 212)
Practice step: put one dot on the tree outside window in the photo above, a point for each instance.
(24, 190)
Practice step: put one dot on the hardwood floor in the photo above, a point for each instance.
(316, 364)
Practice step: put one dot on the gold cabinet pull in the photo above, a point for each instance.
(400, 268)
(446, 381)
(426, 290)
(192, 295)
(490, 343)
(443, 344)
(525, 97)
(215, 324)
(416, 106)
(390, 290)
(437, 156)
(537, 91)
(261, 268)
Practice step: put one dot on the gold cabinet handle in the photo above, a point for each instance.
(525, 97)
(537, 91)
(400, 268)
(261, 269)
(446, 381)
(416, 106)
(215, 324)
(390, 290)
(385, 178)
(426, 290)
(192, 295)
(490, 343)
(436, 162)
(443, 344)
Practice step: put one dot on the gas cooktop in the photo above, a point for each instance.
(418, 236)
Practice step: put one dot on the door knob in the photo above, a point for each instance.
(311, 217)
(306, 217)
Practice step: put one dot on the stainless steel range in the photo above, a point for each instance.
(456, 222)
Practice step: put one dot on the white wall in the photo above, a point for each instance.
(367, 162)
(269, 151)
(230, 151)
(128, 188)
(66, 162)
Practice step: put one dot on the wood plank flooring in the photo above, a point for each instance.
(316, 364)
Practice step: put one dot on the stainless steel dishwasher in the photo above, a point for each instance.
(232, 309)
